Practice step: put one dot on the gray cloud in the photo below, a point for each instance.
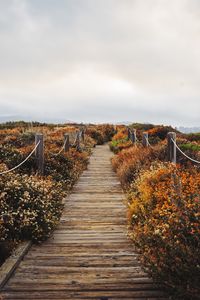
(101, 60)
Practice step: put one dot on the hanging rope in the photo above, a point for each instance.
(148, 142)
(76, 138)
(19, 165)
(193, 160)
(62, 148)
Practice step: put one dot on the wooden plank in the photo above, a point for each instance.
(108, 295)
(12, 262)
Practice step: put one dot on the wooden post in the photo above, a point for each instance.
(66, 142)
(171, 147)
(145, 139)
(133, 137)
(129, 134)
(83, 135)
(78, 140)
(39, 153)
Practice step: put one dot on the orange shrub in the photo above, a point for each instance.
(121, 134)
(164, 214)
(160, 131)
(120, 141)
(129, 162)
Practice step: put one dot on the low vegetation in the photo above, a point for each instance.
(163, 208)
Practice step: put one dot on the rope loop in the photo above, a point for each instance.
(19, 165)
(62, 148)
(148, 142)
(193, 160)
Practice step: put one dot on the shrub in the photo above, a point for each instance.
(189, 146)
(164, 212)
(107, 131)
(30, 207)
(119, 145)
(142, 127)
(13, 156)
(193, 137)
(160, 132)
(101, 133)
(121, 134)
(129, 162)
(190, 149)
(120, 141)
(95, 135)
(66, 167)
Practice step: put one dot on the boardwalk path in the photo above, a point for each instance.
(89, 255)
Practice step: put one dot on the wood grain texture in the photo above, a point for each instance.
(89, 255)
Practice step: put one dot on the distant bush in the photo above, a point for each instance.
(160, 132)
(120, 141)
(95, 135)
(107, 131)
(193, 137)
(141, 126)
(101, 133)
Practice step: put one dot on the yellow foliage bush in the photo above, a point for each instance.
(164, 214)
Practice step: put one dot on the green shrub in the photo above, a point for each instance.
(189, 146)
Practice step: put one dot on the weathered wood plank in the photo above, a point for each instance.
(12, 262)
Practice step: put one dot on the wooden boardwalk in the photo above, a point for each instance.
(89, 255)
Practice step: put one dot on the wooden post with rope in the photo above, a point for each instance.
(66, 142)
(171, 147)
(39, 152)
(78, 140)
(145, 141)
(133, 137)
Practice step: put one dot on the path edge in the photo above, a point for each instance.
(12, 262)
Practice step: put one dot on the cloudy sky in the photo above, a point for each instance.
(100, 60)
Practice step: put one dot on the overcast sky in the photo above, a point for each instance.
(100, 60)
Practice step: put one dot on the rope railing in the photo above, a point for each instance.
(147, 141)
(39, 151)
(149, 144)
(172, 146)
(75, 140)
(193, 160)
(19, 165)
(59, 152)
